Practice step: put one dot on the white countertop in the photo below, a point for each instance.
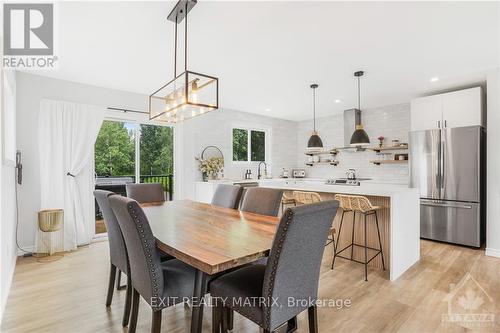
(367, 187)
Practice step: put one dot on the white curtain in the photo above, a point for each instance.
(66, 136)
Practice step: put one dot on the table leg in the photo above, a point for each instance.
(200, 288)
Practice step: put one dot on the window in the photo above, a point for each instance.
(128, 152)
(249, 145)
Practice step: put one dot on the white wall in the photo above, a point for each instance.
(493, 164)
(30, 90)
(392, 122)
(215, 129)
(7, 217)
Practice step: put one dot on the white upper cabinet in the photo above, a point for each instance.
(426, 113)
(454, 109)
(462, 108)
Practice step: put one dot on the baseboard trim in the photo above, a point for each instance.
(492, 252)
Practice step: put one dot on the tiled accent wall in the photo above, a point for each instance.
(392, 122)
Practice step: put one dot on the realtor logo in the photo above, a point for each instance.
(28, 42)
(28, 29)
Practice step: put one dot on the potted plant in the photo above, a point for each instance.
(211, 167)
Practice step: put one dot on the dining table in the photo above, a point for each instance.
(209, 238)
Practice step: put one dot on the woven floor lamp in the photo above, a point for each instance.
(50, 235)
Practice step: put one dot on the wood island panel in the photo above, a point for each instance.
(371, 230)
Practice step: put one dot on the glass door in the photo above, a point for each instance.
(128, 152)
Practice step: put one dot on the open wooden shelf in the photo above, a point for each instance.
(389, 162)
(334, 163)
(326, 152)
(379, 149)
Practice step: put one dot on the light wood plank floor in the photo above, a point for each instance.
(69, 295)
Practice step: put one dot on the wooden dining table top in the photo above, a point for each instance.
(210, 238)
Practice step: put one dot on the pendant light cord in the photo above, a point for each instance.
(186, 38)
(359, 98)
(314, 109)
(175, 49)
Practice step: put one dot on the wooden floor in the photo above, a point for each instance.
(69, 295)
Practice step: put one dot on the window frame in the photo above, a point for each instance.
(249, 128)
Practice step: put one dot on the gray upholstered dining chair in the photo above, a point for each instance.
(146, 192)
(261, 200)
(117, 252)
(161, 284)
(292, 273)
(227, 196)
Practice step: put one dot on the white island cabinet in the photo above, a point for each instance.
(399, 220)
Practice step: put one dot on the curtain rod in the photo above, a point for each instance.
(126, 110)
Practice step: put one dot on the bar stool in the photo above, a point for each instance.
(287, 200)
(360, 204)
(307, 198)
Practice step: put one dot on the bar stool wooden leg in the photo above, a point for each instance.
(352, 238)
(379, 241)
(338, 238)
(366, 251)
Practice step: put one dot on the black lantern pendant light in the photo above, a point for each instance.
(314, 142)
(359, 137)
(188, 94)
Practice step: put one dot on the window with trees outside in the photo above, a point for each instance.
(249, 145)
(127, 152)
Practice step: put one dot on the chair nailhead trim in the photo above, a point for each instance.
(281, 240)
(147, 248)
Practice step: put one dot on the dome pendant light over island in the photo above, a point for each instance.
(314, 142)
(359, 137)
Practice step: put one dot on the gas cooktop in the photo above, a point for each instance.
(345, 181)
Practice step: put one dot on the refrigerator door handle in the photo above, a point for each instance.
(450, 205)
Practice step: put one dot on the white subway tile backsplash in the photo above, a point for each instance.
(392, 122)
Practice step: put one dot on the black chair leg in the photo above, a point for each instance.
(224, 311)
(292, 325)
(111, 285)
(313, 319)
(118, 280)
(156, 324)
(230, 318)
(128, 302)
(366, 252)
(338, 238)
(135, 311)
(379, 241)
(216, 318)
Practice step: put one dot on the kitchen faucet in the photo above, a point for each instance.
(259, 175)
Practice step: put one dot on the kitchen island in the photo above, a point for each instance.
(399, 220)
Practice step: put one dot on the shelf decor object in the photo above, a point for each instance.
(188, 94)
(50, 235)
(359, 137)
(314, 142)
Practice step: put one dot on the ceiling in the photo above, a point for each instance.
(266, 54)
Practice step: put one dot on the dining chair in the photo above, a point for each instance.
(117, 252)
(146, 192)
(227, 196)
(291, 273)
(161, 284)
(307, 198)
(262, 200)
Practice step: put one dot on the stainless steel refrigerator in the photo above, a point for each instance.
(447, 165)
